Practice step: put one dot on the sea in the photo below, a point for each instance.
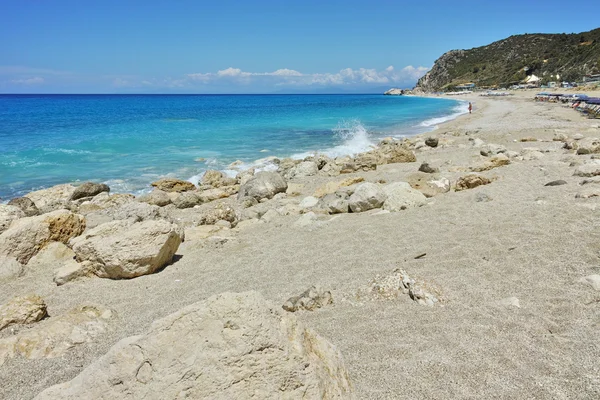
(129, 141)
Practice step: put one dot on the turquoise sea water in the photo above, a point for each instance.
(129, 141)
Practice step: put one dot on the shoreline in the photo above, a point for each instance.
(264, 163)
(504, 259)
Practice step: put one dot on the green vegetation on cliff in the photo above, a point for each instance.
(511, 60)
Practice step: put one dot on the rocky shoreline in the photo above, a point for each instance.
(453, 225)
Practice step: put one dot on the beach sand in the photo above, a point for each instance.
(528, 241)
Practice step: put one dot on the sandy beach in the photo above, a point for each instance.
(513, 238)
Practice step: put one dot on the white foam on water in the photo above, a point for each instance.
(460, 109)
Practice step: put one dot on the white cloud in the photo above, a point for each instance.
(37, 80)
(285, 76)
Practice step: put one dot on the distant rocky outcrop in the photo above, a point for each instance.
(394, 92)
(511, 60)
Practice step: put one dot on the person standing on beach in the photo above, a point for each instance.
(470, 107)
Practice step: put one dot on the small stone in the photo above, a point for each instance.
(471, 181)
(431, 142)
(556, 183)
(425, 167)
(89, 189)
(308, 202)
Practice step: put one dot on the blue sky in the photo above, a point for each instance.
(265, 46)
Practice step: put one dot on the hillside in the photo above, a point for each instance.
(510, 60)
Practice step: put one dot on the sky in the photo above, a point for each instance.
(251, 46)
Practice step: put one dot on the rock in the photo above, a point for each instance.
(592, 280)
(425, 167)
(230, 346)
(213, 178)
(587, 193)
(492, 149)
(220, 212)
(334, 204)
(397, 283)
(10, 268)
(556, 183)
(431, 142)
(471, 181)
(588, 170)
(400, 196)
(187, 200)
(209, 195)
(270, 215)
(531, 154)
(476, 142)
(428, 186)
(156, 197)
(593, 180)
(124, 249)
(8, 214)
(55, 253)
(89, 189)
(367, 161)
(243, 176)
(334, 186)
(528, 139)
(306, 219)
(72, 270)
(134, 211)
(482, 197)
(395, 152)
(367, 196)
(577, 136)
(304, 169)
(54, 337)
(312, 298)
(22, 311)
(560, 137)
(509, 302)
(26, 205)
(173, 185)
(51, 199)
(263, 185)
(27, 236)
(588, 146)
(499, 160)
(309, 202)
(248, 201)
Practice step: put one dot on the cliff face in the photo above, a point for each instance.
(511, 60)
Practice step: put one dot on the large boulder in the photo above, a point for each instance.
(26, 205)
(22, 310)
(173, 185)
(134, 210)
(367, 196)
(230, 346)
(9, 213)
(124, 249)
(588, 146)
(55, 336)
(89, 189)
(27, 236)
(263, 185)
(334, 204)
(52, 199)
(400, 196)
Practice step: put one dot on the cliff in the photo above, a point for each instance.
(511, 60)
